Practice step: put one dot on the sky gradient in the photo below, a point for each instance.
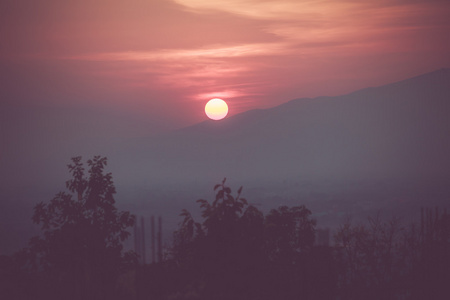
(162, 60)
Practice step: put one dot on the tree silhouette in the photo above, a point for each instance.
(385, 260)
(237, 253)
(289, 231)
(289, 238)
(81, 246)
(431, 270)
(218, 252)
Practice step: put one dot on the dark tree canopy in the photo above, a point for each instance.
(233, 252)
(227, 222)
(83, 231)
(236, 252)
(289, 231)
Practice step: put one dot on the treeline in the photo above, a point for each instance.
(233, 251)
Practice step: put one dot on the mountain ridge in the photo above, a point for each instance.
(442, 74)
(397, 130)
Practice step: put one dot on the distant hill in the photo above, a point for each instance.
(399, 131)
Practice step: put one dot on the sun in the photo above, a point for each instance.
(216, 109)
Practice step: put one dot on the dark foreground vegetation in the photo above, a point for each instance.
(233, 252)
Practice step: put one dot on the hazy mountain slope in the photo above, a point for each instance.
(398, 131)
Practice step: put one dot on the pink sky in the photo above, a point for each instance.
(164, 59)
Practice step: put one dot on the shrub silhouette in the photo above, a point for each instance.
(289, 231)
(224, 242)
(384, 260)
(80, 251)
(237, 253)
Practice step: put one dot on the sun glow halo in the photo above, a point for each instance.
(216, 109)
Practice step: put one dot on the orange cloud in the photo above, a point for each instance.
(248, 50)
(256, 49)
(326, 22)
(209, 70)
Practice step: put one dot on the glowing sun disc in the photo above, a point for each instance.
(216, 109)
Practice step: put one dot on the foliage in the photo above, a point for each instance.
(289, 231)
(371, 255)
(82, 231)
(384, 260)
(226, 221)
(235, 251)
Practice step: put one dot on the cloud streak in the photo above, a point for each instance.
(255, 53)
(186, 54)
(206, 69)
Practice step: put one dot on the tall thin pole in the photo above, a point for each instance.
(153, 239)
(422, 224)
(159, 239)
(136, 248)
(137, 241)
(143, 239)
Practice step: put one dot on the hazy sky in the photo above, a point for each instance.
(163, 59)
(77, 77)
